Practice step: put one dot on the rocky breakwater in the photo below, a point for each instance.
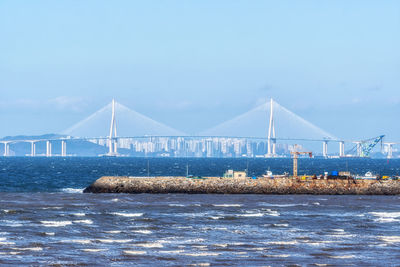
(217, 185)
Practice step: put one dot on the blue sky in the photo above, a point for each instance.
(195, 64)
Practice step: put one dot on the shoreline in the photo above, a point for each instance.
(219, 185)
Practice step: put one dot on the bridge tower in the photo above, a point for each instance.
(271, 132)
(112, 138)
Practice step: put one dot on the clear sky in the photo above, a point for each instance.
(195, 64)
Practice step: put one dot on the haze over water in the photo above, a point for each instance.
(46, 220)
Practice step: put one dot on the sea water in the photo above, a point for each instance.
(45, 219)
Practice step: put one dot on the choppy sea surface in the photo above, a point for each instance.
(46, 220)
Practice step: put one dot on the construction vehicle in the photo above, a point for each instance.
(295, 157)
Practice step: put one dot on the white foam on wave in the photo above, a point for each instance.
(150, 245)
(202, 247)
(78, 241)
(342, 257)
(280, 224)
(109, 241)
(93, 249)
(10, 253)
(294, 242)
(200, 264)
(319, 243)
(282, 205)
(224, 245)
(112, 232)
(196, 240)
(6, 243)
(84, 221)
(390, 239)
(56, 223)
(172, 251)
(277, 255)
(176, 205)
(12, 223)
(72, 190)
(386, 217)
(145, 232)
(127, 214)
(202, 254)
(79, 214)
(134, 252)
(29, 249)
(184, 227)
(227, 205)
(251, 215)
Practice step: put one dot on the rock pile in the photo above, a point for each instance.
(217, 185)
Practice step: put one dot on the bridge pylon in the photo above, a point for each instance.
(271, 133)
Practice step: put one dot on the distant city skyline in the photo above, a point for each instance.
(194, 65)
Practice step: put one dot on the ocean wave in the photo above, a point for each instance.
(342, 257)
(227, 205)
(29, 249)
(79, 214)
(390, 239)
(56, 223)
(127, 214)
(202, 254)
(145, 232)
(110, 241)
(12, 223)
(251, 215)
(93, 249)
(282, 205)
(84, 221)
(150, 245)
(6, 243)
(72, 190)
(386, 217)
(134, 252)
(112, 232)
(78, 241)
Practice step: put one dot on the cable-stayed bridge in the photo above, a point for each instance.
(268, 130)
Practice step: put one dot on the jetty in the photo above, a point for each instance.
(243, 185)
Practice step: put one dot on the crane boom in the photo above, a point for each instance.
(368, 146)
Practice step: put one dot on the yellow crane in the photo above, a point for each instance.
(295, 157)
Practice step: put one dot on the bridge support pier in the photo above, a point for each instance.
(63, 148)
(6, 149)
(33, 149)
(341, 149)
(325, 149)
(389, 150)
(48, 149)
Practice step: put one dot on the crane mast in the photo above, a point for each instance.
(295, 158)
